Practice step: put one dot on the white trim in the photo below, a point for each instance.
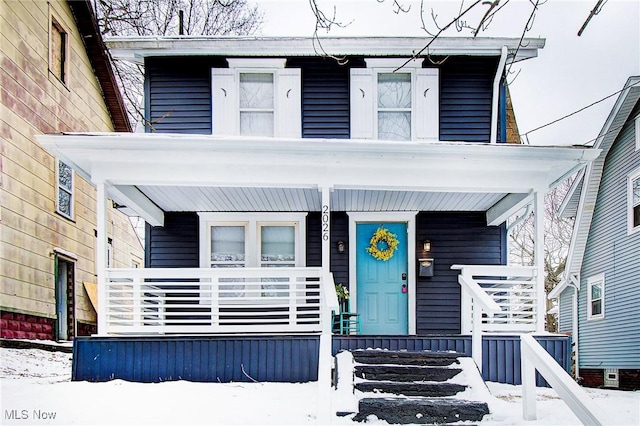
(367, 217)
(252, 223)
(65, 253)
(137, 48)
(394, 63)
(412, 108)
(70, 191)
(259, 63)
(637, 125)
(631, 177)
(592, 281)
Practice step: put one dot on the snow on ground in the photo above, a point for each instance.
(35, 388)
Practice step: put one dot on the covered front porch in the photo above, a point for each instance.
(454, 195)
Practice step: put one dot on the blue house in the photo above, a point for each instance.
(601, 286)
(269, 173)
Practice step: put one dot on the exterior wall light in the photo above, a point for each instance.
(426, 245)
(340, 246)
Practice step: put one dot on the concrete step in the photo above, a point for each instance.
(395, 373)
(421, 410)
(425, 358)
(411, 388)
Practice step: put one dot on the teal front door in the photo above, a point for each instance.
(382, 285)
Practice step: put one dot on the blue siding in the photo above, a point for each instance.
(174, 245)
(500, 354)
(565, 315)
(456, 238)
(325, 97)
(613, 342)
(274, 358)
(198, 359)
(466, 87)
(178, 94)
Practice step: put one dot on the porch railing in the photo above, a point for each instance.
(215, 300)
(497, 299)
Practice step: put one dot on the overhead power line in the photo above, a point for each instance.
(578, 110)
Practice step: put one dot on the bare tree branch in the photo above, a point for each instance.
(160, 17)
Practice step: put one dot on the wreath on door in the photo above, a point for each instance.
(383, 244)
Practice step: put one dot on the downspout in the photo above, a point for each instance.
(496, 94)
(574, 320)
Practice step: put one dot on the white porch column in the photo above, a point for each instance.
(538, 256)
(101, 254)
(326, 228)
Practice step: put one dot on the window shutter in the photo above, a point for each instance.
(427, 99)
(288, 103)
(362, 103)
(225, 101)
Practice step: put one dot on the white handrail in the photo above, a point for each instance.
(534, 357)
(482, 302)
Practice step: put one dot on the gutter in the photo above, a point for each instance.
(496, 94)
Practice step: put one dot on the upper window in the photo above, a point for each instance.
(256, 104)
(633, 201)
(394, 106)
(257, 97)
(58, 51)
(595, 296)
(64, 190)
(391, 104)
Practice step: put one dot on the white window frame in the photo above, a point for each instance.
(412, 109)
(272, 110)
(70, 191)
(287, 95)
(425, 100)
(637, 124)
(591, 282)
(634, 175)
(252, 223)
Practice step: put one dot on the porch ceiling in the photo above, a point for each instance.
(152, 173)
(217, 199)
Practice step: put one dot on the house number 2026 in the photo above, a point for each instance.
(325, 222)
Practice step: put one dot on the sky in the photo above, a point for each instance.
(35, 388)
(570, 72)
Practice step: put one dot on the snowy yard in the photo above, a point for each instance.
(36, 389)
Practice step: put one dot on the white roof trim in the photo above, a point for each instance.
(593, 175)
(130, 159)
(137, 48)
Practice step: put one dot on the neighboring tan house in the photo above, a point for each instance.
(598, 297)
(55, 77)
(270, 173)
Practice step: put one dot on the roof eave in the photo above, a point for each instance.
(137, 48)
(593, 174)
(101, 63)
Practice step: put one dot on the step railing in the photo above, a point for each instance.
(497, 299)
(534, 357)
(216, 300)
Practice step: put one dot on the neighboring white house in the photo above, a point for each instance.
(598, 298)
